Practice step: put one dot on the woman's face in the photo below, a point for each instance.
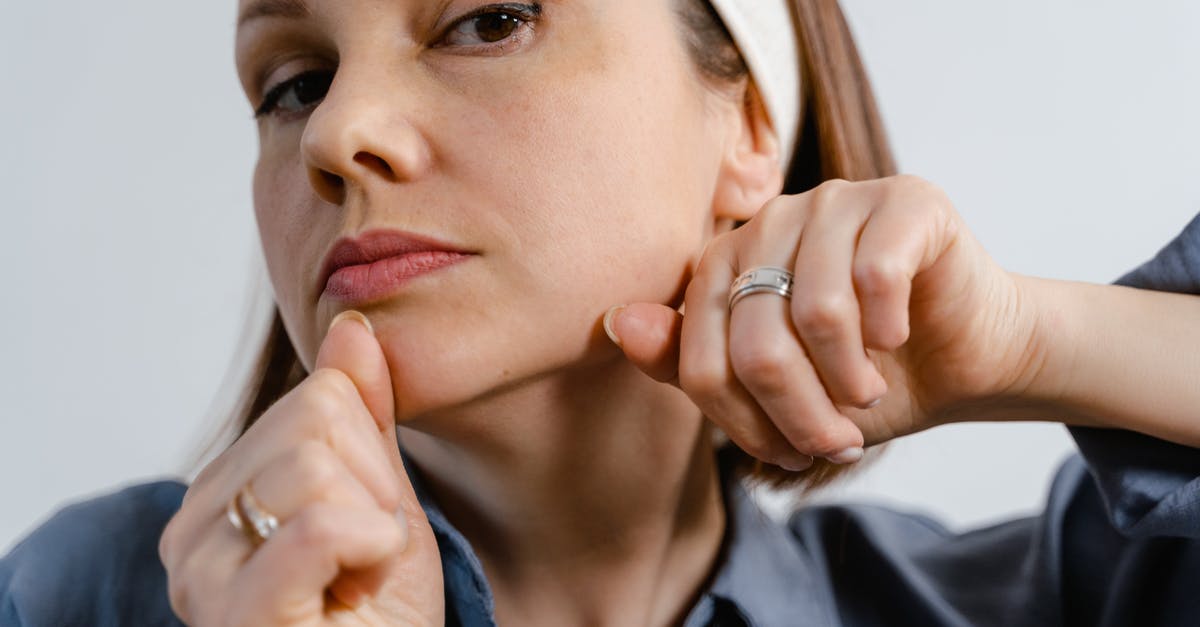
(568, 145)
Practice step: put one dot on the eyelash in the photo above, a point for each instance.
(525, 14)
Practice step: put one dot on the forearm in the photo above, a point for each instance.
(1116, 357)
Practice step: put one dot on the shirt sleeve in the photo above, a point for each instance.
(1151, 487)
(93, 563)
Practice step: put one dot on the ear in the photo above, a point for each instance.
(750, 174)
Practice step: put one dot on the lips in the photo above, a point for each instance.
(377, 262)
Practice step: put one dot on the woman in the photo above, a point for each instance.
(448, 221)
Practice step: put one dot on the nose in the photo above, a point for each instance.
(362, 136)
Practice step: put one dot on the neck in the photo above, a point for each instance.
(591, 497)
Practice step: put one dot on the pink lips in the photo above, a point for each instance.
(377, 263)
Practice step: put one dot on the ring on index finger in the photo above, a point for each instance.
(762, 280)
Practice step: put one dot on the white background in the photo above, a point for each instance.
(1065, 132)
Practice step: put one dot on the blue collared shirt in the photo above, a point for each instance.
(1118, 543)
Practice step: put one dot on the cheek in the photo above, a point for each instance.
(283, 206)
(609, 161)
(597, 183)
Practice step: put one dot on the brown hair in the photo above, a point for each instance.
(841, 137)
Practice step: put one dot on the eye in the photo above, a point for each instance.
(296, 94)
(490, 25)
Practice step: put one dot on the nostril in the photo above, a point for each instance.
(375, 164)
(328, 186)
(331, 180)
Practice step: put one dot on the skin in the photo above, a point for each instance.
(583, 176)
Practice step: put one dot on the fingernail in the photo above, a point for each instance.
(797, 464)
(875, 403)
(351, 314)
(848, 456)
(608, 319)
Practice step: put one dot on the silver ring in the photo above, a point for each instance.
(249, 517)
(763, 280)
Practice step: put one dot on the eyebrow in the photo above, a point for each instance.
(274, 8)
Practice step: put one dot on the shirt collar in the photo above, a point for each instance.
(766, 574)
(764, 579)
(469, 600)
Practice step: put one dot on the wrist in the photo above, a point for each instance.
(1050, 351)
(1111, 357)
(1038, 362)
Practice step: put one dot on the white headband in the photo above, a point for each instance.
(763, 32)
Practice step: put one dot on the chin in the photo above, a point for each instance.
(435, 373)
(439, 378)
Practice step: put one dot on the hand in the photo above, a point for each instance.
(898, 318)
(353, 546)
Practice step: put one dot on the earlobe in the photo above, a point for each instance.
(750, 173)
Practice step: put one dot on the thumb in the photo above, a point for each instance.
(649, 336)
(350, 346)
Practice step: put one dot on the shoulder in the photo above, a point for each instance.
(864, 544)
(94, 562)
(910, 564)
(913, 536)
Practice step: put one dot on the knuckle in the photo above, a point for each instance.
(748, 434)
(822, 317)
(774, 213)
(833, 184)
(702, 283)
(337, 432)
(825, 193)
(763, 366)
(315, 467)
(170, 543)
(166, 542)
(858, 392)
(913, 186)
(910, 182)
(206, 474)
(717, 252)
(177, 596)
(212, 476)
(889, 336)
(319, 407)
(392, 497)
(313, 527)
(877, 276)
(333, 385)
(328, 397)
(719, 244)
(757, 448)
(702, 380)
(769, 450)
(385, 490)
(389, 531)
(181, 587)
(818, 443)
